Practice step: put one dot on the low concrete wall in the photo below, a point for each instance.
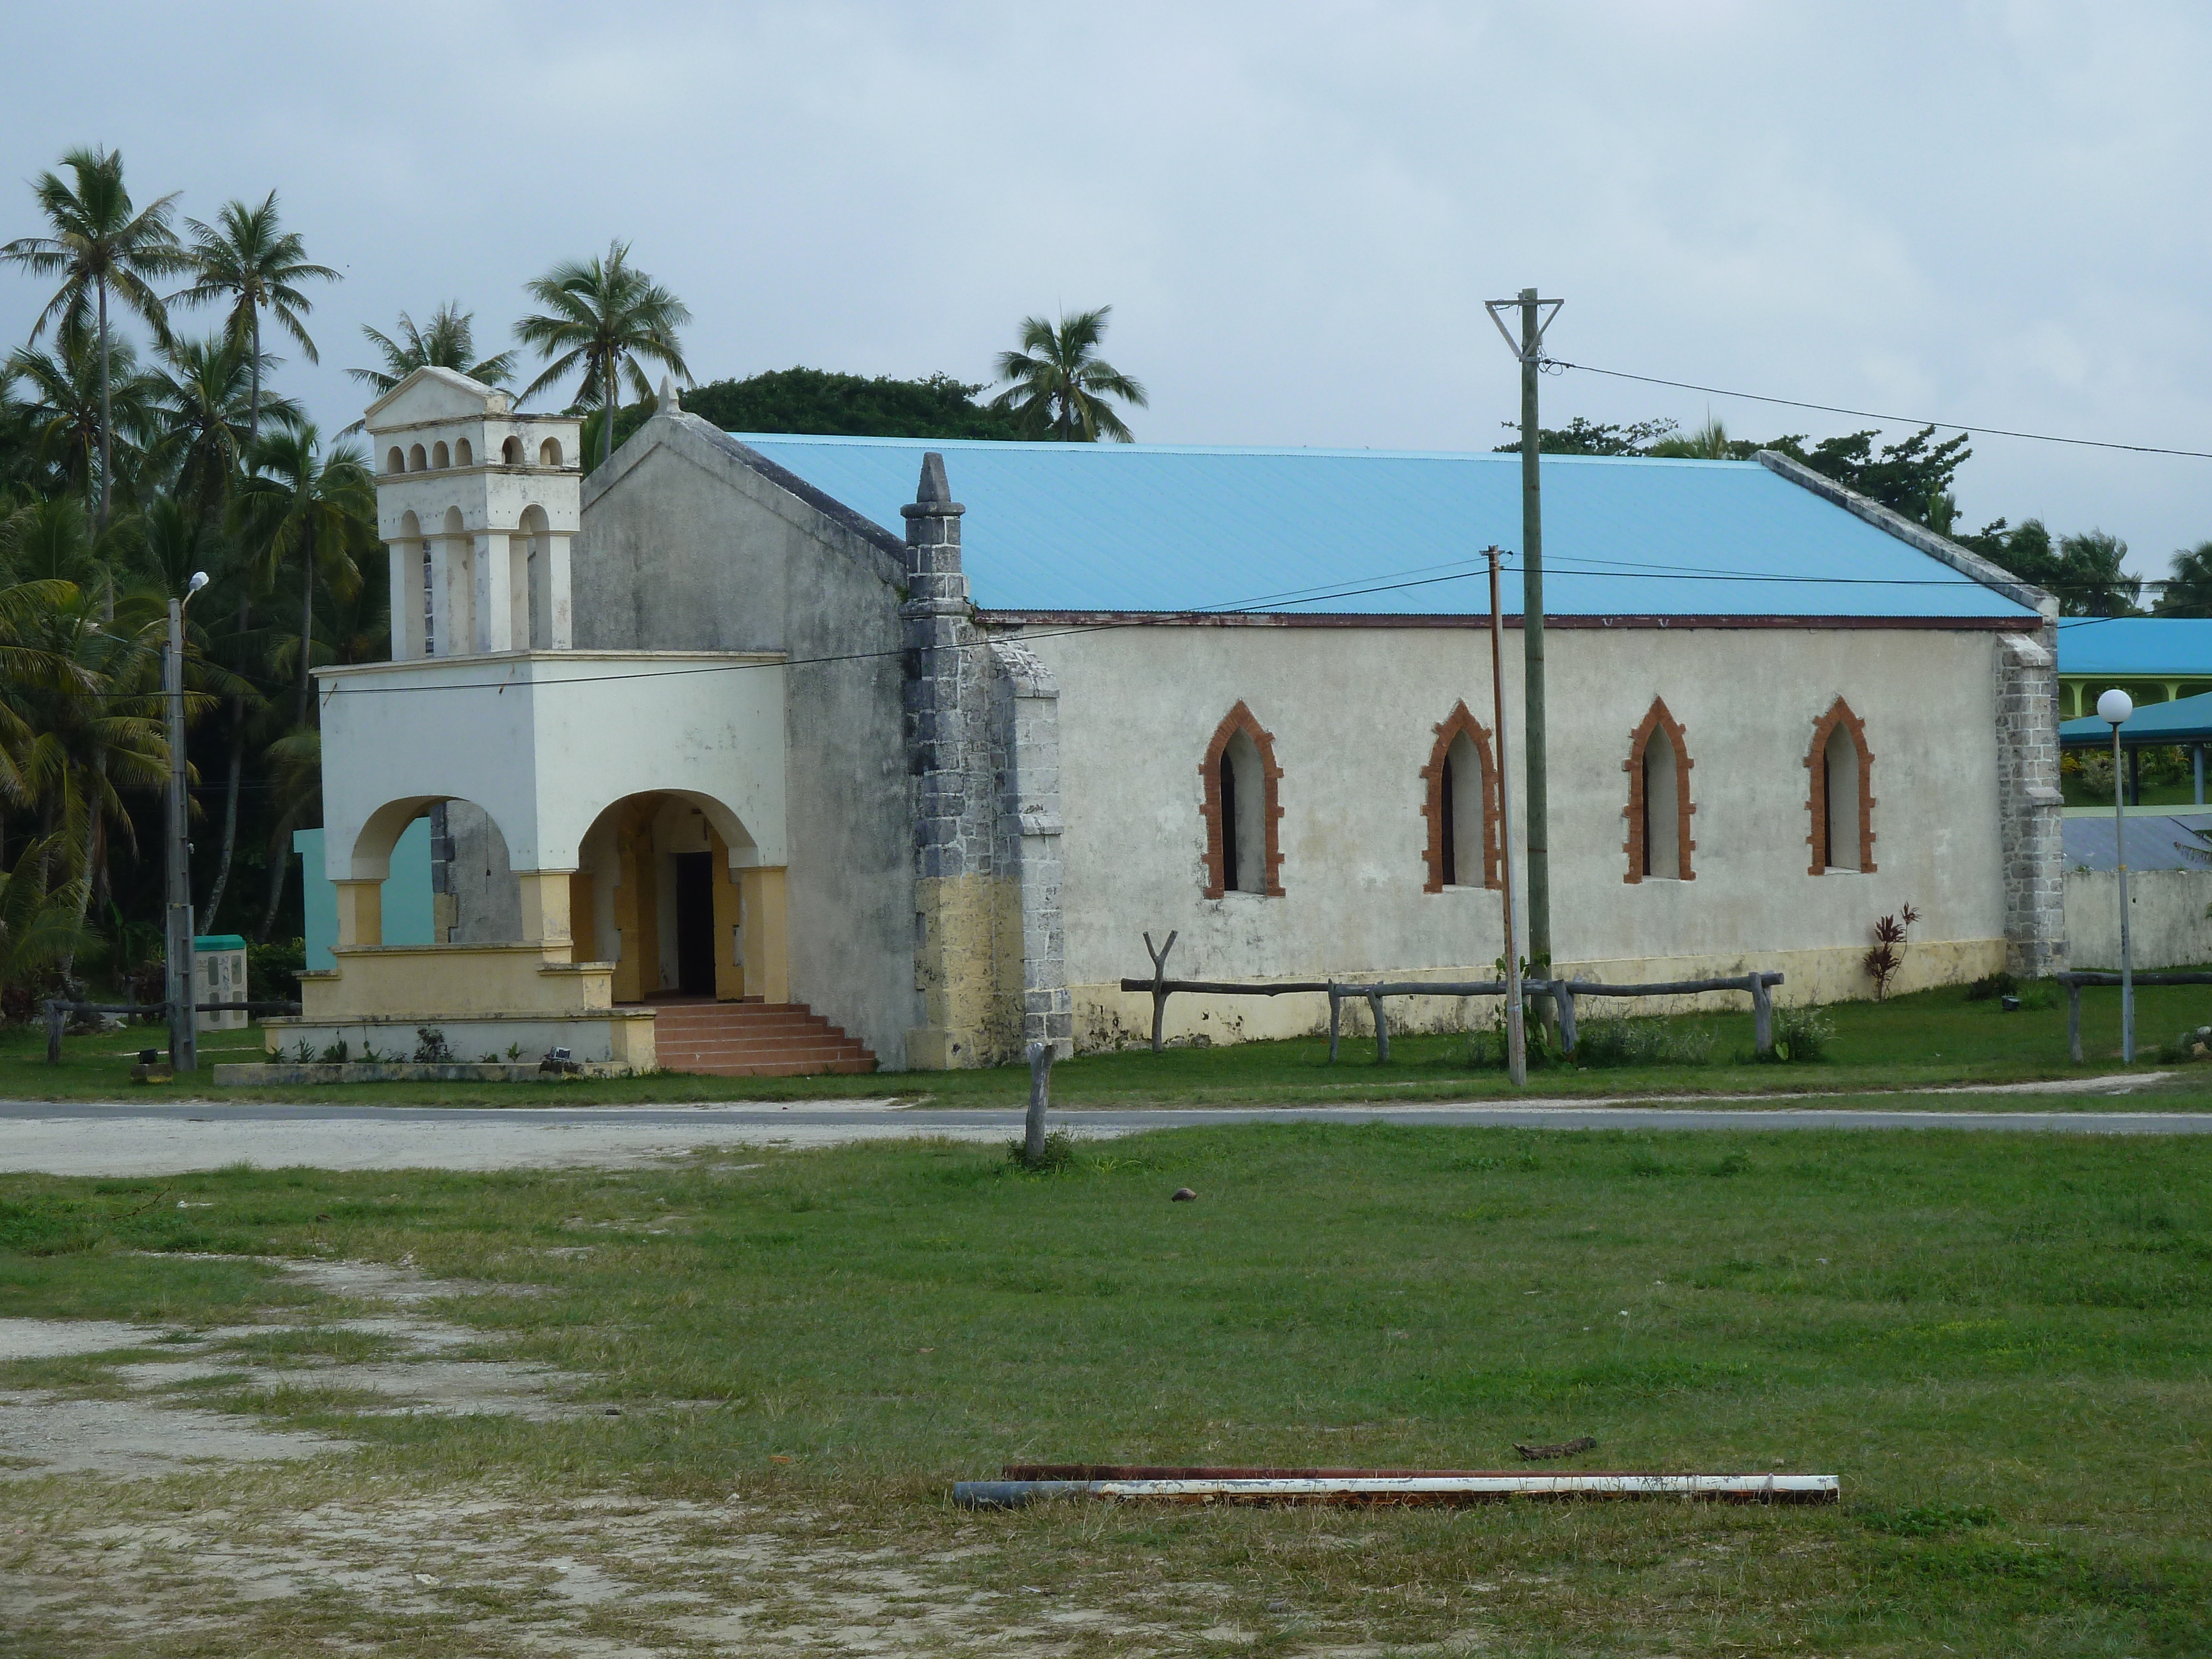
(294, 1075)
(2166, 924)
(621, 1037)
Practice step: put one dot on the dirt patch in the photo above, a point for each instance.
(489, 1572)
(43, 1434)
(162, 1424)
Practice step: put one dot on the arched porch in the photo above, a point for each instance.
(665, 891)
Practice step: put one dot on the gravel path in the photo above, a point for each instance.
(133, 1139)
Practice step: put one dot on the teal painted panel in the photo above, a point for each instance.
(406, 892)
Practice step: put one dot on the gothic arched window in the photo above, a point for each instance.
(1243, 848)
(1460, 789)
(1659, 806)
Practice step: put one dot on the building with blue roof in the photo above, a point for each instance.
(918, 741)
(2152, 659)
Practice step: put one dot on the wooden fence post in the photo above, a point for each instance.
(2073, 1015)
(1762, 1014)
(1159, 978)
(55, 1018)
(1381, 1027)
(1563, 999)
(1335, 1019)
(1040, 1098)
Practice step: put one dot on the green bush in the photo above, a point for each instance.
(1802, 1034)
(272, 970)
(1058, 1153)
(1603, 1043)
(1999, 984)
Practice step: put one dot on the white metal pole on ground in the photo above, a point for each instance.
(2114, 708)
(2127, 954)
(1516, 1035)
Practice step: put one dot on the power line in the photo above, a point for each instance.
(1887, 420)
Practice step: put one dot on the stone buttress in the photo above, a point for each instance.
(982, 750)
(2027, 786)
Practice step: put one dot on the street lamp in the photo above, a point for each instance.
(2114, 708)
(184, 1043)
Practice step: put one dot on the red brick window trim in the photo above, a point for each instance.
(1240, 722)
(1660, 726)
(1824, 731)
(1437, 803)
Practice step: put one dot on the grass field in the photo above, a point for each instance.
(1924, 1040)
(2000, 1344)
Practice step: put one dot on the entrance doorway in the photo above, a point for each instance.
(695, 923)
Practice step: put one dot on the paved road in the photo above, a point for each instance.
(144, 1138)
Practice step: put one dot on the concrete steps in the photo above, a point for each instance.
(753, 1039)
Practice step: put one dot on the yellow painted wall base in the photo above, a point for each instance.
(968, 926)
(454, 981)
(1108, 1017)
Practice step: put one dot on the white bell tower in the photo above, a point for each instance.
(477, 506)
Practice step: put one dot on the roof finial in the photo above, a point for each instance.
(934, 487)
(669, 405)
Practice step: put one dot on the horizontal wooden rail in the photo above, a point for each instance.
(58, 1012)
(2075, 983)
(1564, 992)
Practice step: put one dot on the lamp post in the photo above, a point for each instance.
(184, 1042)
(2114, 708)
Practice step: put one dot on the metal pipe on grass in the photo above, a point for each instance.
(1439, 1490)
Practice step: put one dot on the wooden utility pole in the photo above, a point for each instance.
(1532, 635)
(1537, 316)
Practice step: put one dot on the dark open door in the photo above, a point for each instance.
(695, 923)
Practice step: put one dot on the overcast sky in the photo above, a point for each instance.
(1985, 212)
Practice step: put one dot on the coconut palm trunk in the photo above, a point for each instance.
(306, 619)
(229, 808)
(106, 419)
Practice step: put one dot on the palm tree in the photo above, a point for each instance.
(301, 506)
(2188, 590)
(98, 243)
(603, 313)
(246, 259)
(1060, 383)
(78, 402)
(449, 342)
(209, 411)
(1709, 442)
(97, 727)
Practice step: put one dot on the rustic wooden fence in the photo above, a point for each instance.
(1563, 992)
(57, 1013)
(2075, 983)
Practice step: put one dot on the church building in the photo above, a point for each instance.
(772, 753)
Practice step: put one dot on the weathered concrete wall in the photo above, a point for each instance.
(685, 546)
(1353, 713)
(487, 897)
(2166, 923)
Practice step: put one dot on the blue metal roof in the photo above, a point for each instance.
(1138, 527)
(2185, 720)
(2148, 647)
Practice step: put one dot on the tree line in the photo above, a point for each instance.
(134, 451)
